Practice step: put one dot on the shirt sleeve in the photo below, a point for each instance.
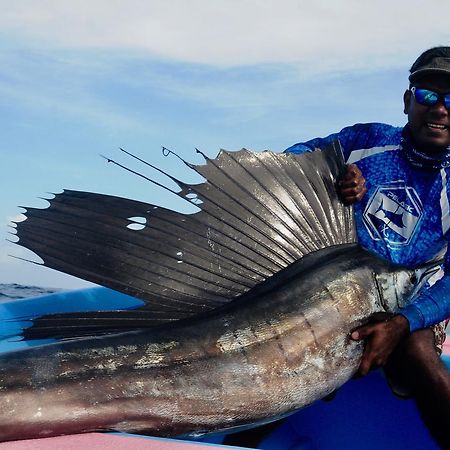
(358, 136)
(311, 145)
(432, 305)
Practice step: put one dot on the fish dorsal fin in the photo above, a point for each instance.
(259, 212)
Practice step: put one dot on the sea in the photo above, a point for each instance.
(11, 291)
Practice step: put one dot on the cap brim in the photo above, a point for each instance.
(418, 74)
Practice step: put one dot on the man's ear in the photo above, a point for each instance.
(407, 100)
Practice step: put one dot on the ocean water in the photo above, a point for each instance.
(12, 291)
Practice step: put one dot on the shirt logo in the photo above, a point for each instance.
(393, 213)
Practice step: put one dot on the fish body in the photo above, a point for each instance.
(271, 351)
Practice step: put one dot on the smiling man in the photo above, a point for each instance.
(399, 182)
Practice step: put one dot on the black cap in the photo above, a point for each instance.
(437, 65)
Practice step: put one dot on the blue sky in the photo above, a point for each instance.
(79, 79)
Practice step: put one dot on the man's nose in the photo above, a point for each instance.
(440, 108)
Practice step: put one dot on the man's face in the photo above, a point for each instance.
(430, 125)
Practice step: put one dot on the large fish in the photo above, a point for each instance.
(248, 303)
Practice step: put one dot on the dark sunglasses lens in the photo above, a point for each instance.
(425, 97)
(447, 101)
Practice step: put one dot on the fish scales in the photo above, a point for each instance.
(263, 355)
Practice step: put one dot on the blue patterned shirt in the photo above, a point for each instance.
(404, 215)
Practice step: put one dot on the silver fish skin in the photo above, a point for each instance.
(270, 352)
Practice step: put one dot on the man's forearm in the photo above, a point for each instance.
(430, 307)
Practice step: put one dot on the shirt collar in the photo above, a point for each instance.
(416, 158)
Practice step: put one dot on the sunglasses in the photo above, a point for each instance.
(430, 98)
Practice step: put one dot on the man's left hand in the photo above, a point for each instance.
(381, 339)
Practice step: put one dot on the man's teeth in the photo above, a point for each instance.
(436, 126)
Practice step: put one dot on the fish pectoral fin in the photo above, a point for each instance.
(95, 323)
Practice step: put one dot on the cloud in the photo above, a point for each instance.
(320, 35)
(117, 91)
(15, 219)
(48, 82)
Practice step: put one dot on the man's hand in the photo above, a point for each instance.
(352, 186)
(381, 339)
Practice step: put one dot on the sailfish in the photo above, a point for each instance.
(248, 303)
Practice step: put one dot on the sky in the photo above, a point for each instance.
(81, 79)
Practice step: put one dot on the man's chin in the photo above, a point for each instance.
(433, 143)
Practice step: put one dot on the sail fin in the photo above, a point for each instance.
(259, 213)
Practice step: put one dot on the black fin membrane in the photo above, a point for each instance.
(260, 212)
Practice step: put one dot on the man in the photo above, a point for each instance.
(399, 182)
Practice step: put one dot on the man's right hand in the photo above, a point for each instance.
(352, 186)
(381, 337)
